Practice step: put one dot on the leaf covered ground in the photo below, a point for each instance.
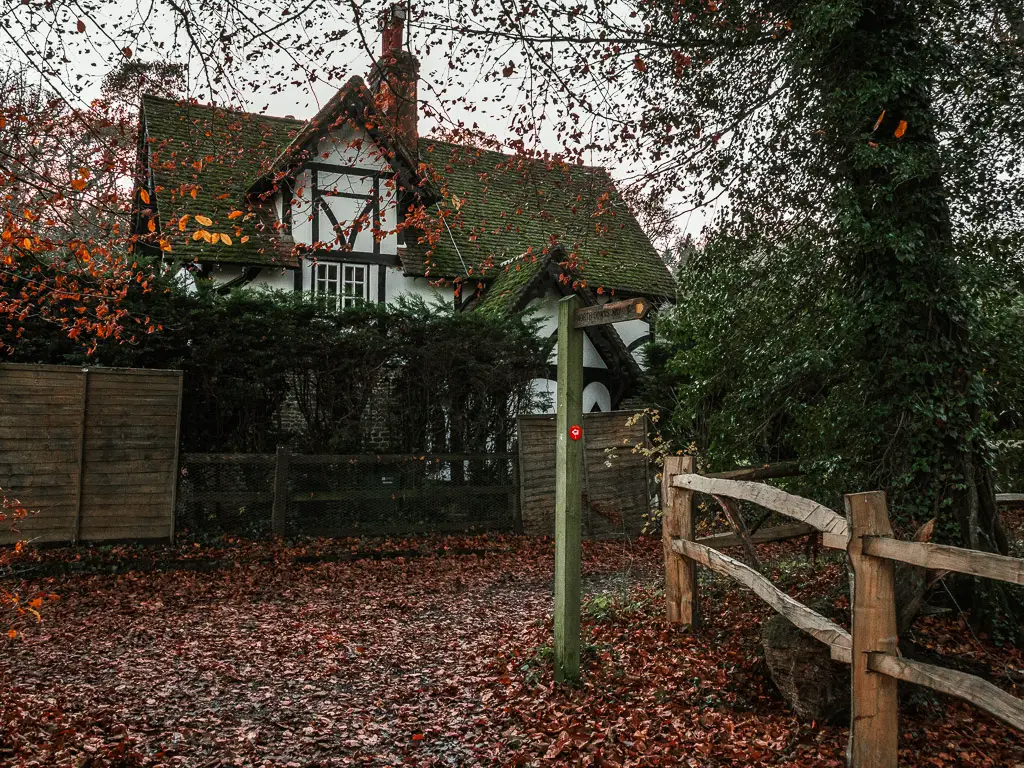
(288, 659)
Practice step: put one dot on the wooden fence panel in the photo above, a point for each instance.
(615, 498)
(91, 452)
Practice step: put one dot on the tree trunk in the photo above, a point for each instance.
(917, 352)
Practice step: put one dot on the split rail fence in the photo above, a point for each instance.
(865, 534)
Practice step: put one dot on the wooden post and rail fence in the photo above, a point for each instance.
(865, 534)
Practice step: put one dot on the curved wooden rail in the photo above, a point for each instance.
(817, 626)
(830, 523)
(970, 688)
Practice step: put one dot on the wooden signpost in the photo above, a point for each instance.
(569, 457)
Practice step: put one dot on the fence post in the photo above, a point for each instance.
(76, 532)
(677, 521)
(568, 463)
(279, 513)
(874, 724)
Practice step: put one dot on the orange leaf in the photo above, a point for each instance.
(193, 193)
(151, 225)
(900, 129)
(26, 243)
(213, 238)
(78, 184)
(234, 214)
(225, 239)
(182, 222)
(12, 633)
(37, 603)
(878, 122)
(127, 52)
(144, 196)
(245, 239)
(206, 221)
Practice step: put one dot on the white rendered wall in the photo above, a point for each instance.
(274, 278)
(596, 393)
(345, 147)
(548, 388)
(404, 285)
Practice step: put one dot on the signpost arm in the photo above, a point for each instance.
(568, 465)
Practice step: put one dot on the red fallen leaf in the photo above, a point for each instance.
(417, 737)
(558, 745)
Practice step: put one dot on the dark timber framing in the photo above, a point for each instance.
(370, 210)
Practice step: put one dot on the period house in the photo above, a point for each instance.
(354, 205)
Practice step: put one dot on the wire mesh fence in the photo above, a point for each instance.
(225, 493)
(355, 495)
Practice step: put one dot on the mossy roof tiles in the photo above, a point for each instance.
(217, 153)
(509, 210)
(506, 206)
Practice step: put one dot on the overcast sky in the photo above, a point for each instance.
(292, 69)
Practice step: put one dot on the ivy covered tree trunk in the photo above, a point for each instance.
(912, 306)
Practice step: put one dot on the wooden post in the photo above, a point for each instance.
(280, 508)
(76, 533)
(677, 520)
(177, 470)
(513, 497)
(568, 463)
(873, 715)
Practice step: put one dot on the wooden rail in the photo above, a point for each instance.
(814, 624)
(760, 536)
(805, 510)
(940, 557)
(974, 690)
(871, 645)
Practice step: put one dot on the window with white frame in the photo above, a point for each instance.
(342, 285)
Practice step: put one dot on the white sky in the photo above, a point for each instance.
(291, 79)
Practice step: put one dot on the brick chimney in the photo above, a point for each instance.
(394, 77)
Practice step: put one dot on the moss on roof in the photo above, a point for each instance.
(217, 153)
(511, 283)
(508, 205)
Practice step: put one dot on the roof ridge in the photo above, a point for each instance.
(502, 153)
(220, 108)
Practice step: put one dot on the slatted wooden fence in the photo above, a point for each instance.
(865, 534)
(616, 499)
(92, 453)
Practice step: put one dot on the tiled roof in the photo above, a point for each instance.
(510, 210)
(508, 206)
(217, 153)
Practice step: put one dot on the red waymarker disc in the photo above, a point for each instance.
(575, 432)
